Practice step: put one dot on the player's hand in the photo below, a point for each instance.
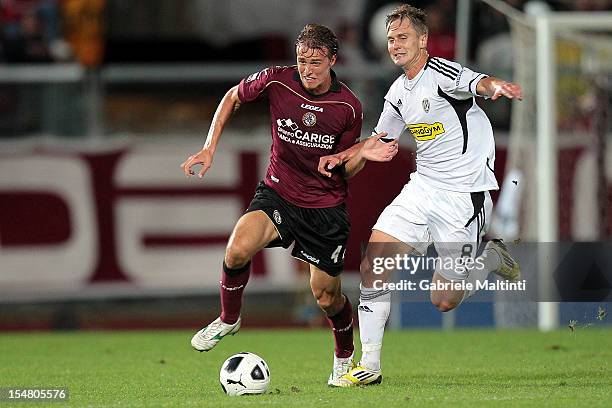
(508, 89)
(377, 150)
(203, 157)
(327, 163)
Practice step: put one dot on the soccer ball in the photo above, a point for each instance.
(244, 373)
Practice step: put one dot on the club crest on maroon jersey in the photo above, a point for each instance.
(309, 119)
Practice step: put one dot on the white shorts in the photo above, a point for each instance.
(454, 221)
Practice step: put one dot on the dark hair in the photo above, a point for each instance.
(317, 36)
(416, 16)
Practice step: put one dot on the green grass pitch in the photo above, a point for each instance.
(464, 368)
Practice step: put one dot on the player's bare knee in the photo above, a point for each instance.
(446, 306)
(329, 302)
(236, 256)
(324, 299)
(443, 305)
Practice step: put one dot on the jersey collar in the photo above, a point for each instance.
(334, 87)
(409, 84)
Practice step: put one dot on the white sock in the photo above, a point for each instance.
(374, 308)
(491, 261)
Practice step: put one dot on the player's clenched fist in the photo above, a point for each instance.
(327, 163)
(203, 157)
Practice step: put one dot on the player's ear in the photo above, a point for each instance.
(423, 41)
(332, 60)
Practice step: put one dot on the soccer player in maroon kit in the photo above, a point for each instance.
(312, 115)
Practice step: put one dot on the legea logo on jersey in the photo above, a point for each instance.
(426, 131)
(312, 108)
(310, 257)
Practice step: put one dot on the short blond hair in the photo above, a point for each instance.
(417, 17)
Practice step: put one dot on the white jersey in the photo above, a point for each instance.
(455, 146)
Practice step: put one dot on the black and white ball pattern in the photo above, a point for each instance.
(244, 373)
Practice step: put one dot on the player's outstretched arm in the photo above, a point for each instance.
(228, 105)
(494, 88)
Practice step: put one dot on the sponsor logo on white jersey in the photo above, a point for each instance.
(426, 131)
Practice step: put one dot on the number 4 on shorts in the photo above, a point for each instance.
(336, 254)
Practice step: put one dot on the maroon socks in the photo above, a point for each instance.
(233, 282)
(342, 326)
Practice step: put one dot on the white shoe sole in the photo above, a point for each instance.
(207, 345)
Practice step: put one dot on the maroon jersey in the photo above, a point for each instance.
(304, 128)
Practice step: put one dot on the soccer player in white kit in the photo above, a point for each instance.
(447, 199)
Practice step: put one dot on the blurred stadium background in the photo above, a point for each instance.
(101, 100)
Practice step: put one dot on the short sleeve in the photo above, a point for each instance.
(454, 79)
(467, 81)
(390, 121)
(254, 86)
